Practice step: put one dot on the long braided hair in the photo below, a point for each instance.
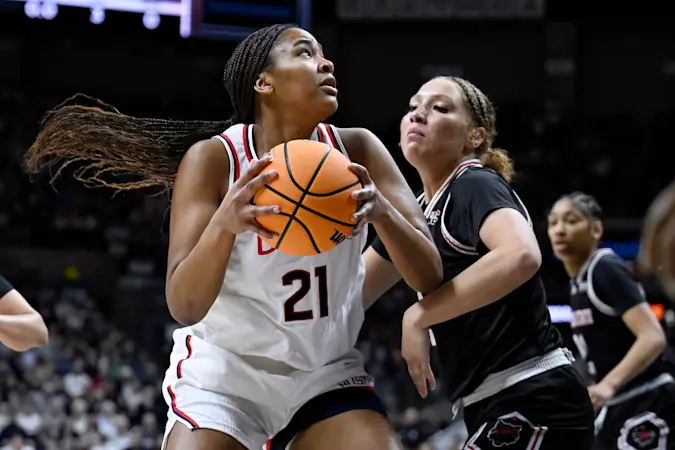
(483, 115)
(110, 146)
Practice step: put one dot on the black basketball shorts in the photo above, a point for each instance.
(551, 411)
(645, 422)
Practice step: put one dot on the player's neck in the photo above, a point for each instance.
(574, 265)
(272, 130)
(434, 177)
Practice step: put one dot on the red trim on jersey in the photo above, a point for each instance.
(235, 157)
(247, 144)
(178, 412)
(179, 370)
(332, 138)
(432, 203)
(268, 446)
(261, 250)
(319, 134)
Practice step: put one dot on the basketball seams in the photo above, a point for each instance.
(304, 191)
(308, 209)
(290, 172)
(291, 218)
(337, 191)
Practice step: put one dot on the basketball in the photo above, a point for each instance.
(313, 191)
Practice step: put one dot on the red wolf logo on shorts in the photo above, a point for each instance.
(505, 432)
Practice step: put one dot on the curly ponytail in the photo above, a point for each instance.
(498, 160)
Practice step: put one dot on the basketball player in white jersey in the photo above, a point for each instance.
(266, 357)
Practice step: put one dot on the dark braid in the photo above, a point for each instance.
(483, 115)
(586, 204)
(86, 130)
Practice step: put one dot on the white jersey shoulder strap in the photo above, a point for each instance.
(329, 134)
(238, 141)
(235, 139)
(592, 294)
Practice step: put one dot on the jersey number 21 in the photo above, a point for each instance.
(306, 284)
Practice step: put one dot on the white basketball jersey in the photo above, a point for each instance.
(300, 311)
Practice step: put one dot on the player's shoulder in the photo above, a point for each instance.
(234, 130)
(363, 146)
(356, 138)
(478, 178)
(206, 160)
(607, 263)
(205, 151)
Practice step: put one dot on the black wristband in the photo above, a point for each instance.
(5, 287)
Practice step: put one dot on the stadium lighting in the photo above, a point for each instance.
(49, 10)
(97, 15)
(32, 9)
(151, 20)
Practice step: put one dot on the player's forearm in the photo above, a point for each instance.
(414, 255)
(646, 348)
(21, 332)
(195, 283)
(489, 279)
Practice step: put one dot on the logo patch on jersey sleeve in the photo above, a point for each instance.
(644, 432)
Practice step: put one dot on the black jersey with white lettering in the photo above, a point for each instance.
(498, 336)
(601, 292)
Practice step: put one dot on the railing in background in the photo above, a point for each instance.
(353, 10)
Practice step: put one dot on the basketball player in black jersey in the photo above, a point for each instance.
(21, 327)
(498, 351)
(615, 331)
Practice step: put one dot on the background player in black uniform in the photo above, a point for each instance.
(615, 332)
(658, 239)
(21, 327)
(499, 352)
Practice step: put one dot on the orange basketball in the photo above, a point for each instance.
(313, 190)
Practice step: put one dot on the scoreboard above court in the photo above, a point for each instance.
(214, 19)
(235, 19)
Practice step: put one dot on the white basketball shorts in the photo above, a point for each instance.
(250, 400)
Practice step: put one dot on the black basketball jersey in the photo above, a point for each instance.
(601, 292)
(498, 336)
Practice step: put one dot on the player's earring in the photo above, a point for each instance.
(399, 145)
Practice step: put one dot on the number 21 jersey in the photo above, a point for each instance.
(303, 312)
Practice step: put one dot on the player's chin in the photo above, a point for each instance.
(563, 254)
(416, 154)
(327, 105)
